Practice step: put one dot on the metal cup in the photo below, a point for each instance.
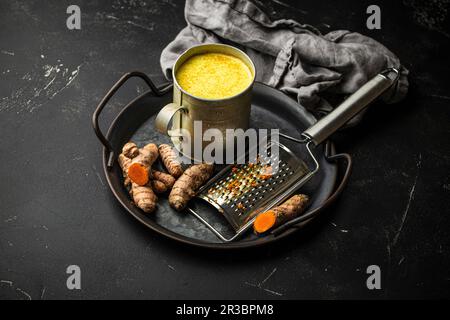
(222, 114)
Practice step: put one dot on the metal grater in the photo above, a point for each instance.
(240, 192)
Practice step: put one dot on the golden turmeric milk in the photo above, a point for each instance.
(214, 76)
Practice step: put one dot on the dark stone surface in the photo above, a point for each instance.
(56, 210)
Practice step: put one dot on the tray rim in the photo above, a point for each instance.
(268, 239)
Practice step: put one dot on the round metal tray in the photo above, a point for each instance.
(270, 109)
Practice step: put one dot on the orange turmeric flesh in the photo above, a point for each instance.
(138, 174)
(264, 221)
(275, 217)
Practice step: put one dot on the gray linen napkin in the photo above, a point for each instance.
(295, 58)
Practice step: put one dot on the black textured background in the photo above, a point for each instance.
(56, 210)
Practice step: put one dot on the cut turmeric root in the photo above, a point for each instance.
(143, 196)
(129, 151)
(170, 160)
(185, 187)
(264, 221)
(139, 170)
(275, 217)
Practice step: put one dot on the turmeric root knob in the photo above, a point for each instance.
(124, 163)
(165, 178)
(139, 169)
(170, 160)
(161, 182)
(158, 186)
(144, 197)
(130, 150)
(185, 187)
(275, 217)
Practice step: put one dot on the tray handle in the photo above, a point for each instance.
(105, 100)
(298, 222)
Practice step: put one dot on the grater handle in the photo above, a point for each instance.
(351, 106)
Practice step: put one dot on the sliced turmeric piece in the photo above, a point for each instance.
(185, 187)
(139, 170)
(264, 221)
(170, 160)
(138, 173)
(275, 217)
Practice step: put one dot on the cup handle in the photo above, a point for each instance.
(166, 115)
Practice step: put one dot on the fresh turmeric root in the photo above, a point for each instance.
(158, 186)
(130, 150)
(275, 217)
(170, 160)
(165, 178)
(124, 163)
(161, 182)
(139, 170)
(185, 187)
(143, 197)
(144, 182)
